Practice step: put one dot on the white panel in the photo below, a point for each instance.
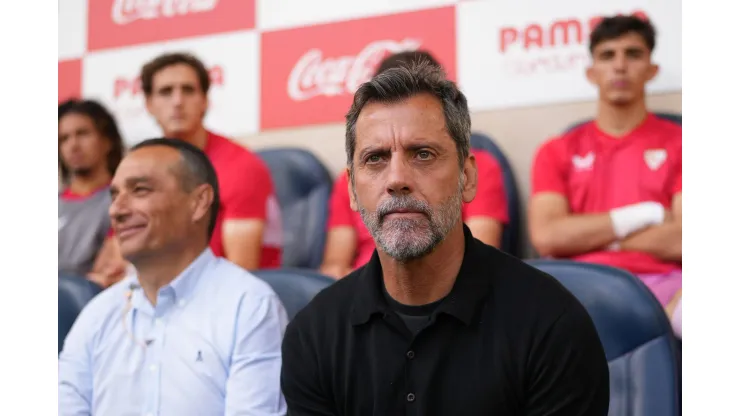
(496, 69)
(111, 76)
(72, 28)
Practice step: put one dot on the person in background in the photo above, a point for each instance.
(609, 191)
(349, 244)
(248, 229)
(90, 149)
(437, 322)
(189, 333)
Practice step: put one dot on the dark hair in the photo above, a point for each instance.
(614, 27)
(150, 69)
(406, 58)
(396, 84)
(196, 170)
(104, 123)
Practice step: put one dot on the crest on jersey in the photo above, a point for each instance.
(654, 158)
(584, 162)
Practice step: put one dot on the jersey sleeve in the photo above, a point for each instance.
(246, 191)
(490, 199)
(547, 172)
(340, 211)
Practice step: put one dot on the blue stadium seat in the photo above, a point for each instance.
(634, 329)
(511, 239)
(295, 287)
(74, 293)
(303, 186)
(674, 117)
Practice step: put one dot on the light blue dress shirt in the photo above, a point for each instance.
(211, 346)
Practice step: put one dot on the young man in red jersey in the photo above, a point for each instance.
(349, 244)
(248, 228)
(609, 191)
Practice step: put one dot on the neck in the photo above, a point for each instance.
(619, 120)
(428, 279)
(158, 270)
(85, 185)
(197, 138)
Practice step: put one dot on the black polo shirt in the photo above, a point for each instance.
(507, 340)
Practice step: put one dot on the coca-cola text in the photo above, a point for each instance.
(315, 75)
(127, 11)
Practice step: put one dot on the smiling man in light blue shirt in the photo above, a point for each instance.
(190, 333)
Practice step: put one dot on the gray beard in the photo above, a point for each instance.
(407, 239)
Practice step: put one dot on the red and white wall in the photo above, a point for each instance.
(292, 63)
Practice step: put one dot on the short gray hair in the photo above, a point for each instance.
(396, 84)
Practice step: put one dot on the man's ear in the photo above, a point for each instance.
(470, 178)
(352, 199)
(201, 201)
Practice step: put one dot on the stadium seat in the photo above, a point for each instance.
(635, 332)
(74, 293)
(511, 239)
(303, 186)
(294, 287)
(674, 117)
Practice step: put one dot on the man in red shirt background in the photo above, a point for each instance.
(609, 191)
(349, 244)
(248, 228)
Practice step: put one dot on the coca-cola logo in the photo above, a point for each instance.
(132, 87)
(314, 75)
(127, 11)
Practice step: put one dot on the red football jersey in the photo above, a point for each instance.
(246, 193)
(490, 201)
(598, 172)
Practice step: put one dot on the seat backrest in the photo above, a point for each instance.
(635, 332)
(295, 287)
(511, 238)
(74, 293)
(674, 117)
(303, 186)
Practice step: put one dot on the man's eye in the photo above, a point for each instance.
(424, 154)
(373, 158)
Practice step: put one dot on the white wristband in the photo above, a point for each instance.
(627, 220)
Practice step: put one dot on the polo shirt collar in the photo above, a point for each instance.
(470, 288)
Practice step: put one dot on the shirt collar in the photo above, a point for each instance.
(470, 289)
(183, 286)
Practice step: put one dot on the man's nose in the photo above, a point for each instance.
(399, 176)
(119, 209)
(620, 63)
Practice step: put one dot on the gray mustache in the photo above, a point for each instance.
(403, 203)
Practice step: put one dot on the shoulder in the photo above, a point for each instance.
(328, 311)
(485, 161)
(106, 306)
(670, 133)
(228, 279)
(522, 290)
(229, 156)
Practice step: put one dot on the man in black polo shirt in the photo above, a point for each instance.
(437, 323)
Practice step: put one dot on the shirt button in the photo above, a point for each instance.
(149, 414)
(410, 355)
(158, 322)
(153, 368)
(410, 397)
(181, 302)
